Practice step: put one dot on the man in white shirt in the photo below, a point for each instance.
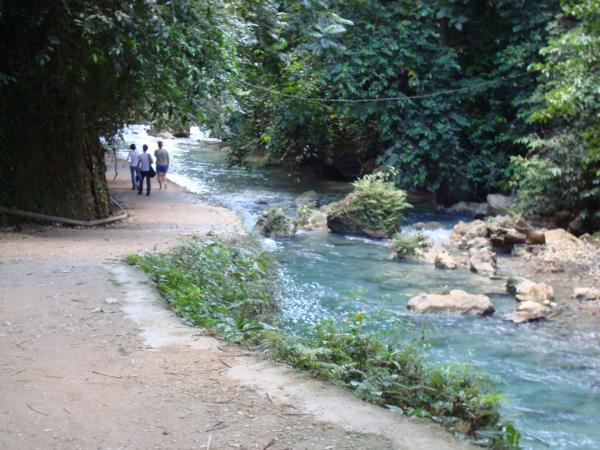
(133, 164)
(145, 165)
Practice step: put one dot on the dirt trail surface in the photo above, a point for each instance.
(92, 359)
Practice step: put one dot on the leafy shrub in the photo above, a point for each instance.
(374, 208)
(406, 245)
(275, 221)
(218, 286)
(303, 213)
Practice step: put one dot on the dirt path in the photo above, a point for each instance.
(91, 358)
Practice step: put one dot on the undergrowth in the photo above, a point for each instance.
(403, 245)
(228, 289)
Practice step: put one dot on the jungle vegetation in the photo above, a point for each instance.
(460, 98)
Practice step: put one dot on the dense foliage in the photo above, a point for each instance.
(224, 288)
(456, 71)
(562, 172)
(445, 92)
(73, 71)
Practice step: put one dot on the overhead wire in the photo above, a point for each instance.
(382, 99)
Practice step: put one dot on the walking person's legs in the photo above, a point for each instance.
(133, 170)
(148, 183)
(141, 187)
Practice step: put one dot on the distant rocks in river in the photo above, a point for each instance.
(535, 301)
(472, 209)
(456, 301)
(502, 233)
(498, 204)
(161, 134)
(481, 258)
(495, 204)
(560, 239)
(443, 260)
(586, 294)
(526, 290)
(420, 226)
(528, 311)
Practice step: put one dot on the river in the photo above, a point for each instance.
(549, 372)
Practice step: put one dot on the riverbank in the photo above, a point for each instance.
(92, 358)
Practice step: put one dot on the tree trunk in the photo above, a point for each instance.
(43, 173)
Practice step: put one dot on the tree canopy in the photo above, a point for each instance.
(459, 98)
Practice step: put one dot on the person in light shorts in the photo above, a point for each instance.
(162, 165)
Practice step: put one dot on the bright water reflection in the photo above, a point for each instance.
(549, 371)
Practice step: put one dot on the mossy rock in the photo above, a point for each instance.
(276, 222)
(373, 209)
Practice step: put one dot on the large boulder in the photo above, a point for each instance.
(464, 232)
(528, 311)
(498, 204)
(473, 209)
(456, 301)
(560, 239)
(527, 290)
(482, 260)
(506, 238)
(275, 222)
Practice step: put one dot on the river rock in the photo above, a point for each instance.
(587, 294)
(463, 233)
(275, 222)
(161, 134)
(182, 132)
(456, 301)
(307, 198)
(528, 311)
(527, 290)
(498, 204)
(435, 253)
(469, 209)
(482, 260)
(419, 226)
(506, 238)
(443, 260)
(562, 240)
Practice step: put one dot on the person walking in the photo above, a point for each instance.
(145, 167)
(162, 165)
(132, 157)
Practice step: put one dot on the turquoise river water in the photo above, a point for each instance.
(549, 372)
